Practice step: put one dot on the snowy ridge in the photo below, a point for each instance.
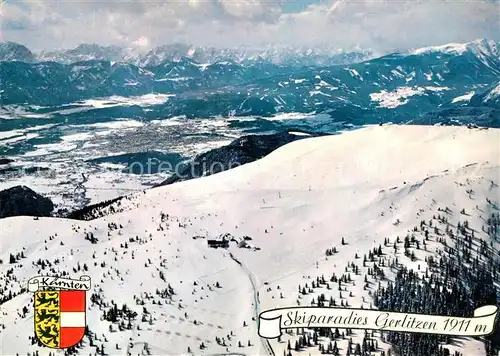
(479, 46)
(451, 48)
(493, 94)
(292, 205)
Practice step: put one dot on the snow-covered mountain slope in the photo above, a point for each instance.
(351, 191)
(11, 52)
(484, 51)
(479, 107)
(489, 97)
(86, 52)
(279, 55)
(484, 46)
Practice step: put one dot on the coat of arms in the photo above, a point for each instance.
(59, 309)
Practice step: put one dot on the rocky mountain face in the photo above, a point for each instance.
(87, 52)
(22, 201)
(490, 97)
(11, 51)
(171, 52)
(285, 56)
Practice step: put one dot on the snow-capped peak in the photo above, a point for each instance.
(451, 48)
(478, 45)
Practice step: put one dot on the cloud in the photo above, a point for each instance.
(378, 24)
(252, 10)
(141, 42)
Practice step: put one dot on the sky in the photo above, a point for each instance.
(382, 25)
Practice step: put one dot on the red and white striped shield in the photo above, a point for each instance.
(60, 317)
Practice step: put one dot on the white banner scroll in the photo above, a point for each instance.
(38, 282)
(272, 321)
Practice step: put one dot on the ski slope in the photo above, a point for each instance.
(363, 185)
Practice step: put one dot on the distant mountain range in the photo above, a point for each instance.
(287, 56)
(459, 81)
